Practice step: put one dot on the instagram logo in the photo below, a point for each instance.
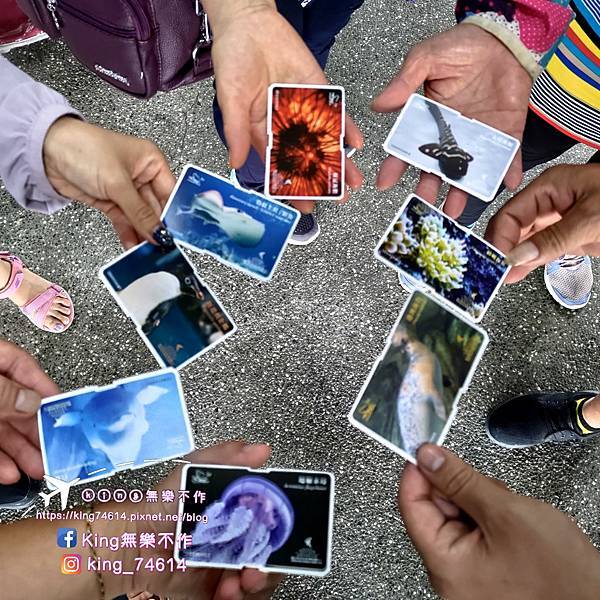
(70, 564)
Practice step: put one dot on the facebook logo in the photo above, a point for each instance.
(66, 537)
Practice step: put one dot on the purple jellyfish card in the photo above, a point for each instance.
(275, 520)
(92, 433)
(411, 394)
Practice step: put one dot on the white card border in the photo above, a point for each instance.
(214, 254)
(426, 287)
(415, 163)
(118, 382)
(461, 391)
(142, 335)
(291, 571)
(270, 140)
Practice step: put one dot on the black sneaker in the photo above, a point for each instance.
(20, 495)
(306, 230)
(542, 417)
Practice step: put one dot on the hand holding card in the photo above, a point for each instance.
(277, 521)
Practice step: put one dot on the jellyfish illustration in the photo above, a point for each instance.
(453, 160)
(253, 519)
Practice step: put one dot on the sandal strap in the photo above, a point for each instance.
(37, 308)
(15, 279)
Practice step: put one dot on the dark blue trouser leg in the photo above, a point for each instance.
(541, 144)
(317, 24)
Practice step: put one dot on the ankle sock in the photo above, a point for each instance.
(583, 427)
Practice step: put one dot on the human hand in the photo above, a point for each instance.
(473, 72)
(480, 540)
(196, 583)
(125, 177)
(558, 213)
(253, 47)
(23, 384)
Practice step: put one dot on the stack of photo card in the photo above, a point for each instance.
(465, 153)
(175, 312)
(242, 229)
(92, 433)
(433, 349)
(274, 520)
(305, 153)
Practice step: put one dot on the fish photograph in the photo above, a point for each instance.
(176, 313)
(305, 157)
(242, 229)
(410, 394)
(90, 434)
(431, 249)
(465, 153)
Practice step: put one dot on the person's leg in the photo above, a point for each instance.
(541, 143)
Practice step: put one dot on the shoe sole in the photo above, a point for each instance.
(559, 300)
(515, 446)
(310, 240)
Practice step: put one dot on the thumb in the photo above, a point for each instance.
(16, 400)
(412, 74)
(474, 493)
(558, 239)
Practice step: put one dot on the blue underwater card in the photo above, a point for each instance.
(242, 229)
(275, 520)
(433, 251)
(92, 433)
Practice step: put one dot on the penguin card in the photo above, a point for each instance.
(273, 520)
(434, 252)
(412, 392)
(305, 152)
(242, 229)
(467, 154)
(175, 312)
(92, 433)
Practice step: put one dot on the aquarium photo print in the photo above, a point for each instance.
(411, 394)
(433, 250)
(242, 229)
(275, 520)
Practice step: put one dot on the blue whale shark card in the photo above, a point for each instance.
(242, 229)
(92, 433)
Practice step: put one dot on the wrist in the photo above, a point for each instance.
(58, 138)
(221, 14)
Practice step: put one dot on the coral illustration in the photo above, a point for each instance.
(401, 239)
(252, 519)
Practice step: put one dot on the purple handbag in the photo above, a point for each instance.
(139, 46)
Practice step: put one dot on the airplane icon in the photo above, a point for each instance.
(61, 487)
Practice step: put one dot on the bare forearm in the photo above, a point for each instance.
(221, 11)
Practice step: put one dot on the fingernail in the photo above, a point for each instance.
(523, 253)
(162, 236)
(27, 401)
(59, 327)
(431, 458)
(449, 509)
(250, 447)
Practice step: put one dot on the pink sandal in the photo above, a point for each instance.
(36, 310)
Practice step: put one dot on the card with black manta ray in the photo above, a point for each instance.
(274, 520)
(175, 312)
(466, 153)
(242, 229)
(305, 154)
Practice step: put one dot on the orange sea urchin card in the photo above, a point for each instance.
(305, 157)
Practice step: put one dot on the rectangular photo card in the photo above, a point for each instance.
(412, 391)
(92, 433)
(305, 153)
(241, 229)
(435, 252)
(176, 313)
(465, 153)
(275, 520)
